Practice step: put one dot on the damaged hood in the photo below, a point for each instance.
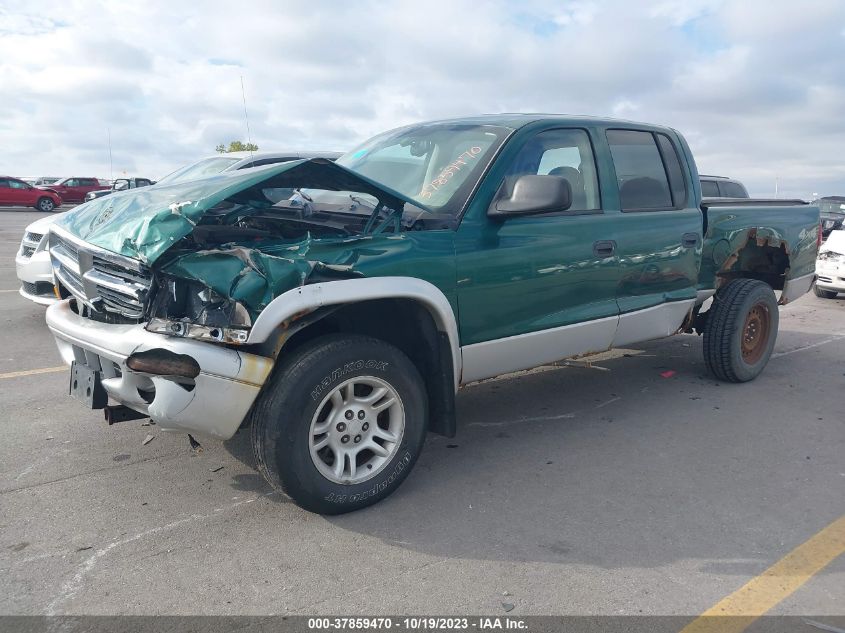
(144, 223)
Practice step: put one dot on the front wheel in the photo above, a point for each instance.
(340, 424)
(741, 330)
(45, 204)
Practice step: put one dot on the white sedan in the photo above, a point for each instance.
(830, 266)
(32, 262)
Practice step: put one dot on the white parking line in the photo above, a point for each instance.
(833, 339)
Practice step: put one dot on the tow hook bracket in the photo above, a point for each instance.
(119, 413)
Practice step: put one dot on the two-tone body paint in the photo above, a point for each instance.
(502, 278)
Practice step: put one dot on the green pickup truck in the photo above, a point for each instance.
(339, 323)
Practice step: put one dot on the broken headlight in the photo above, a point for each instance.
(831, 256)
(193, 310)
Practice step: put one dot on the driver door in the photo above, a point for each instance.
(539, 288)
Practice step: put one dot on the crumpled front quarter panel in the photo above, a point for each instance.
(255, 275)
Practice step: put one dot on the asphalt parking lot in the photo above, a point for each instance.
(568, 490)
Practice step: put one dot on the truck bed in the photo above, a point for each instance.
(775, 239)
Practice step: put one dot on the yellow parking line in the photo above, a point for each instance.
(32, 372)
(778, 582)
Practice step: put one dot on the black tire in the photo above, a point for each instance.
(824, 294)
(45, 204)
(282, 417)
(741, 330)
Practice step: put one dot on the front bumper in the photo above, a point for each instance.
(831, 278)
(830, 274)
(36, 276)
(214, 405)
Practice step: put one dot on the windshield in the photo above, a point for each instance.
(200, 169)
(435, 164)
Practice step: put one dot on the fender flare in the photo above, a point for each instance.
(310, 297)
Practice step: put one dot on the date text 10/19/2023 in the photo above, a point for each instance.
(478, 623)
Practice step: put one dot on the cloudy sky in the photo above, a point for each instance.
(757, 86)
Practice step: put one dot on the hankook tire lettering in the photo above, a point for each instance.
(342, 371)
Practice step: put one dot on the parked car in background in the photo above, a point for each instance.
(46, 180)
(17, 193)
(238, 160)
(73, 189)
(120, 184)
(32, 262)
(830, 266)
(722, 187)
(832, 214)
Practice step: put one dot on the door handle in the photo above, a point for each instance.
(604, 248)
(689, 240)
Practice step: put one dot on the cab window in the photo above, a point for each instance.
(709, 189)
(640, 173)
(565, 153)
(733, 189)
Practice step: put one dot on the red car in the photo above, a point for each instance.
(16, 193)
(74, 189)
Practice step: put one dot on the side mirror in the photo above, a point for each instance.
(534, 194)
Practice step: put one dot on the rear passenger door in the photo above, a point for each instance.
(86, 185)
(659, 234)
(67, 190)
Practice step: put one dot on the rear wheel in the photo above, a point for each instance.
(824, 294)
(341, 423)
(45, 204)
(741, 330)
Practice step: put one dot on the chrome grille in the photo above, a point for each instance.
(103, 281)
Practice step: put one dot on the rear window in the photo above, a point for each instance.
(709, 189)
(732, 189)
(640, 174)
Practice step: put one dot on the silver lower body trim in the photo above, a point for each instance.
(794, 288)
(525, 351)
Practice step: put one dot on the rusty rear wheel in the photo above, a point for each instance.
(755, 333)
(741, 330)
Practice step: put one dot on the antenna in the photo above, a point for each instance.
(246, 118)
(111, 165)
